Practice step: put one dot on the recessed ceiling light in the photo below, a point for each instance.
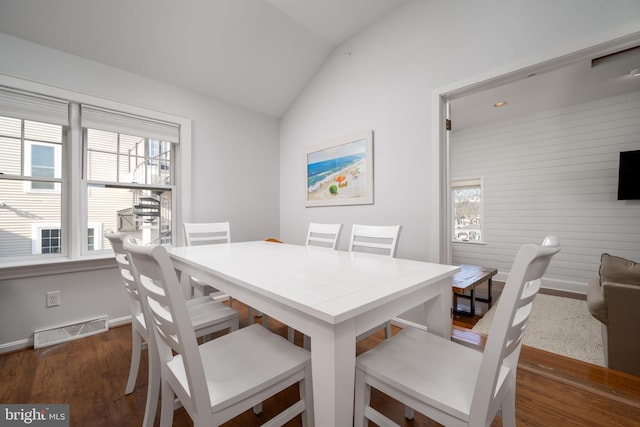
(500, 104)
(635, 72)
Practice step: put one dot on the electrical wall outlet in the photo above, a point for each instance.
(53, 298)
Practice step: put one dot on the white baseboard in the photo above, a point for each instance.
(16, 345)
(125, 320)
(552, 283)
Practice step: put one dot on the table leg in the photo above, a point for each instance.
(439, 311)
(472, 303)
(333, 361)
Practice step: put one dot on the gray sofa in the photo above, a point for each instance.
(614, 299)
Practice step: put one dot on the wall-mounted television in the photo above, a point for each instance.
(629, 175)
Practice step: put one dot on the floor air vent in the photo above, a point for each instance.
(70, 332)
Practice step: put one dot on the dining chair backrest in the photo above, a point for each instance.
(325, 235)
(504, 340)
(164, 307)
(374, 239)
(117, 240)
(207, 233)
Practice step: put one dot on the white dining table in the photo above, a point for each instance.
(331, 296)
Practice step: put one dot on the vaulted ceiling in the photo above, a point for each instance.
(260, 54)
(257, 54)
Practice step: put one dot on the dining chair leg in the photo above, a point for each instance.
(306, 342)
(306, 394)
(153, 390)
(387, 330)
(167, 405)
(136, 350)
(362, 398)
(508, 409)
(408, 412)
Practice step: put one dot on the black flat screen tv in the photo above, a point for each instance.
(629, 175)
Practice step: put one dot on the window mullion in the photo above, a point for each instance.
(74, 200)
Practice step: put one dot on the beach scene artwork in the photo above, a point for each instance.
(340, 172)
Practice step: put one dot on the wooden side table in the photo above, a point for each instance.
(467, 279)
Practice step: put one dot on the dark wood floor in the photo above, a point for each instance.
(90, 375)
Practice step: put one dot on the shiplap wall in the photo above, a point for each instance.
(553, 173)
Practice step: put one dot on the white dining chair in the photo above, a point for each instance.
(207, 233)
(323, 235)
(376, 239)
(211, 233)
(206, 316)
(452, 384)
(219, 379)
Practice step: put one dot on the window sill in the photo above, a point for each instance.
(33, 268)
(469, 242)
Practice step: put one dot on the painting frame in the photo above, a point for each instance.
(340, 171)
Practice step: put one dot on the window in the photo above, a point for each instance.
(50, 241)
(466, 196)
(70, 170)
(47, 238)
(42, 160)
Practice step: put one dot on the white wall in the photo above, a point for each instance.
(554, 172)
(235, 167)
(383, 79)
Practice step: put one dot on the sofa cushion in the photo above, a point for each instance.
(619, 270)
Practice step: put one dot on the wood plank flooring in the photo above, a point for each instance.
(90, 375)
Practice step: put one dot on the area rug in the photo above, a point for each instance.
(559, 325)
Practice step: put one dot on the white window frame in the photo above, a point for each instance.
(57, 153)
(74, 203)
(458, 183)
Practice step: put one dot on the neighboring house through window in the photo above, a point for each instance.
(466, 196)
(47, 238)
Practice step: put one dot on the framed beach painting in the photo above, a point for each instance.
(340, 171)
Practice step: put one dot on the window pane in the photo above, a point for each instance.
(42, 156)
(466, 213)
(10, 127)
(42, 165)
(122, 158)
(50, 241)
(144, 214)
(44, 132)
(91, 238)
(11, 158)
(27, 219)
(98, 140)
(23, 216)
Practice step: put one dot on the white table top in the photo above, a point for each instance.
(332, 296)
(330, 285)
